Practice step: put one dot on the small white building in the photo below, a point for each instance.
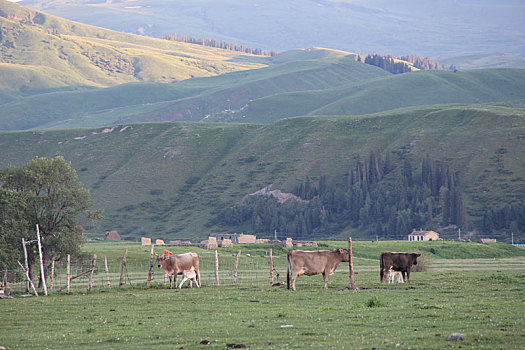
(423, 235)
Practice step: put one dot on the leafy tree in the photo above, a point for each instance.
(51, 197)
(13, 227)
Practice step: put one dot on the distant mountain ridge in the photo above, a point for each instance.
(447, 28)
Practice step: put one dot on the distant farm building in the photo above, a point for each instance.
(210, 243)
(159, 242)
(112, 236)
(145, 241)
(487, 240)
(423, 235)
(236, 238)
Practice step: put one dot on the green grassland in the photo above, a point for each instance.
(40, 52)
(190, 100)
(333, 84)
(171, 180)
(390, 92)
(481, 298)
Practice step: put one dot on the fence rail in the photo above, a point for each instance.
(251, 270)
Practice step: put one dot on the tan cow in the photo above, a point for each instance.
(309, 263)
(175, 265)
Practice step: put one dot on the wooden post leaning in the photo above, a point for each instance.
(52, 274)
(236, 267)
(150, 272)
(68, 274)
(217, 268)
(93, 263)
(351, 264)
(28, 278)
(271, 267)
(26, 264)
(123, 267)
(107, 270)
(42, 273)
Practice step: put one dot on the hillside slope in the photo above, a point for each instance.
(302, 82)
(40, 51)
(177, 178)
(192, 99)
(394, 91)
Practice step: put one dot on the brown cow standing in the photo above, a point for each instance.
(398, 262)
(309, 263)
(175, 265)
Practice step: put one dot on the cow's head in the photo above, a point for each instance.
(414, 257)
(161, 258)
(344, 254)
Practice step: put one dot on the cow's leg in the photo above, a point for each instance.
(325, 279)
(182, 282)
(400, 278)
(293, 277)
(408, 276)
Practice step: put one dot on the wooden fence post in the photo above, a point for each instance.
(351, 264)
(93, 263)
(123, 267)
(150, 265)
(68, 274)
(42, 273)
(236, 267)
(271, 267)
(5, 286)
(107, 270)
(28, 278)
(52, 274)
(217, 268)
(26, 264)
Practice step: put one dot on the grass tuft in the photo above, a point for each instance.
(374, 301)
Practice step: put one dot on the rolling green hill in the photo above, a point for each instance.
(393, 91)
(302, 82)
(39, 51)
(176, 179)
(190, 100)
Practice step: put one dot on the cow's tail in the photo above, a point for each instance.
(288, 268)
(381, 268)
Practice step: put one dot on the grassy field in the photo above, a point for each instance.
(481, 298)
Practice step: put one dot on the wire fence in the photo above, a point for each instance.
(251, 270)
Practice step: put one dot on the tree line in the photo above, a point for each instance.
(398, 65)
(219, 44)
(380, 197)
